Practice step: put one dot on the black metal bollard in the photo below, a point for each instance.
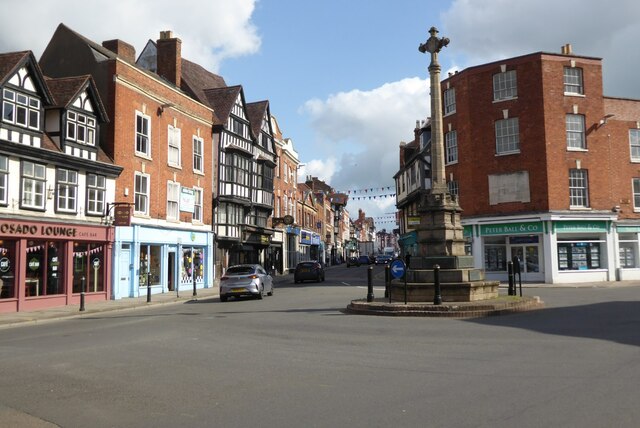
(511, 291)
(82, 285)
(195, 293)
(387, 280)
(437, 294)
(148, 287)
(370, 284)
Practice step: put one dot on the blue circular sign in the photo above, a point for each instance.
(397, 268)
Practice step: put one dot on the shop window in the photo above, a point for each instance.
(193, 264)
(88, 267)
(579, 256)
(628, 250)
(8, 262)
(495, 255)
(150, 264)
(44, 273)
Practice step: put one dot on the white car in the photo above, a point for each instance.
(245, 280)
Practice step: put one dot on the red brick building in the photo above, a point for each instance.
(162, 138)
(545, 167)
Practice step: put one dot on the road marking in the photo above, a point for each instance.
(346, 283)
(379, 289)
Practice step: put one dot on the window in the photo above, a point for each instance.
(197, 205)
(141, 194)
(451, 146)
(96, 190)
(450, 101)
(20, 109)
(578, 188)
(238, 127)
(33, 183)
(453, 188)
(67, 190)
(81, 128)
(636, 194)
(578, 255)
(198, 151)
(173, 200)
(575, 131)
(573, 81)
(4, 179)
(143, 134)
(507, 136)
(505, 85)
(264, 178)
(495, 254)
(628, 248)
(174, 145)
(634, 144)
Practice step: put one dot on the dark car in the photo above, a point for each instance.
(352, 261)
(312, 271)
(364, 260)
(383, 259)
(245, 280)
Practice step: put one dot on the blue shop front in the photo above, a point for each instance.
(168, 260)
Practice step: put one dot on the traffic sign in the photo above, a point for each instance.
(397, 268)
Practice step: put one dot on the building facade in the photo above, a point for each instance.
(545, 168)
(56, 184)
(162, 138)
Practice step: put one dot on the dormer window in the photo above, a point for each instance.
(81, 128)
(20, 109)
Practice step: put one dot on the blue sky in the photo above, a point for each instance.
(345, 78)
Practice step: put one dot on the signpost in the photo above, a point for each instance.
(398, 270)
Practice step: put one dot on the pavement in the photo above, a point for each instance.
(14, 319)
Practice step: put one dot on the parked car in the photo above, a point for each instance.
(245, 280)
(352, 261)
(383, 259)
(364, 260)
(310, 270)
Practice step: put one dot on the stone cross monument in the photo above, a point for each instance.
(440, 234)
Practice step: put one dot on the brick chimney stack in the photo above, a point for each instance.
(123, 49)
(170, 57)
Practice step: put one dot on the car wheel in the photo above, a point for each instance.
(223, 298)
(270, 293)
(318, 278)
(261, 292)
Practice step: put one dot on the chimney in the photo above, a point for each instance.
(170, 57)
(566, 49)
(123, 49)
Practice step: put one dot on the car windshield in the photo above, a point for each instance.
(240, 270)
(307, 264)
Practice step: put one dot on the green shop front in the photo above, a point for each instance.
(549, 249)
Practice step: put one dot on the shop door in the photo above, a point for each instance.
(171, 271)
(529, 257)
(125, 273)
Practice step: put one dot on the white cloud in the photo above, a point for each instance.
(486, 30)
(361, 130)
(219, 29)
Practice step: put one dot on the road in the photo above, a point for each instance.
(297, 360)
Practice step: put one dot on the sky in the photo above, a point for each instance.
(345, 79)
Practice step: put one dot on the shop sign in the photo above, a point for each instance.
(467, 231)
(122, 215)
(580, 226)
(264, 239)
(511, 228)
(293, 230)
(5, 265)
(34, 264)
(34, 230)
(305, 237)
(413, 221)
(187, 199)
(315, 239)
(628, 229)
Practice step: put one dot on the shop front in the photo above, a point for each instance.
(628, 237)
(47, 264)
(548, 249)
(165, 260)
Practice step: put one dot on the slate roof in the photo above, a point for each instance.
(10, 62)
(65, 90)
(222, 101)
(196, 79)
(255, 114)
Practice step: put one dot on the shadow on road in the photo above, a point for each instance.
(612, 321)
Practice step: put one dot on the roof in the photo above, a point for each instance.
(222, 101)
(195, 79)
(11, 62)
(255, 114)
(66, 90)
